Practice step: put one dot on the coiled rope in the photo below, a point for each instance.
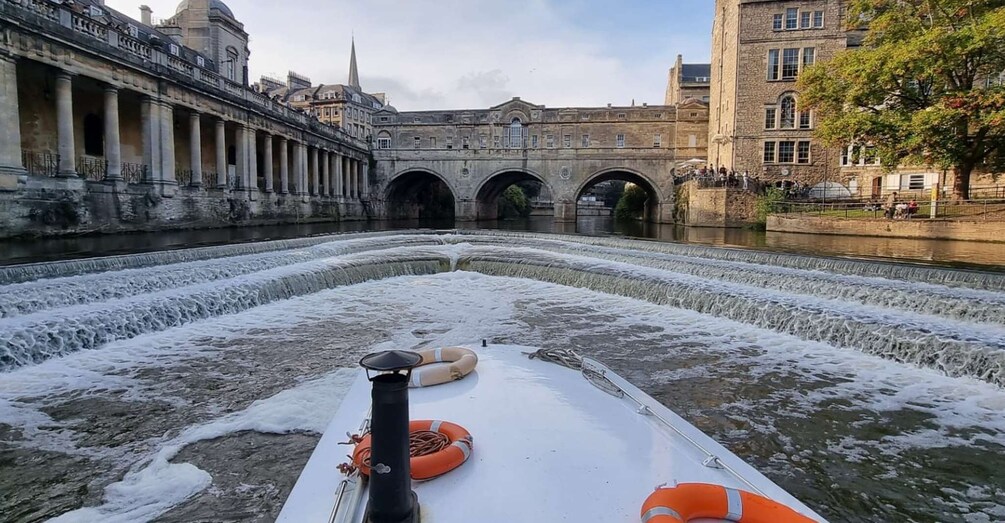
(420, 443)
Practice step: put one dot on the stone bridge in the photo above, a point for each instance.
(478, 154)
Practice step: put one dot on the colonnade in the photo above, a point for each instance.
(307, 167)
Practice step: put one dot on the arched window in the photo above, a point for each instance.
(231, 155)
(516, 134)
(94, 135)
(787, 112)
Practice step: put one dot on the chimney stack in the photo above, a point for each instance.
(145, 13)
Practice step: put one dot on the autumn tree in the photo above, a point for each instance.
(925, 87)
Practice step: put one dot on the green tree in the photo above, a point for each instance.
(924, 87)
(632, 204)
(513, 203)
(768, 203)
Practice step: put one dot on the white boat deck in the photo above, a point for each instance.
(548, 446)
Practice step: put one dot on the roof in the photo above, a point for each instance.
(213, 4)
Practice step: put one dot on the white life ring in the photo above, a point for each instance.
(461, 362)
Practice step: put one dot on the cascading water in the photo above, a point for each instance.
(169, 350)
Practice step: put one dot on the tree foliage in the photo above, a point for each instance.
(632, 204)
(513, 203)
(925, 86)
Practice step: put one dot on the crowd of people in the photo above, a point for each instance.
(710, 177)
(893, 209)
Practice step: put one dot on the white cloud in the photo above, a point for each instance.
(449, 54)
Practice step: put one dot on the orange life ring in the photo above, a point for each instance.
(689, 501)
(430, 465)
(461, 362)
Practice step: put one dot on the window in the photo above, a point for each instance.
(231, 63)
(415, 120)
(769, 152)
(869, 156)
(809, 55)
(791, 18)
(417, 142)
(844, 155)
(586, 140)
(383, 143)
(804, 19)
(622, 116)
(482, 141)
(515, 134)
(174, 49)
(450, 142)
(818, 19)
(804, 120)
(432, 142)
(658, 116)
(769, 117)
(916, 182)
(533, 141)
(200, 61)
(692, 140)
(94, 135)
(657, 140)
(787, 108)
(620, 140)
(776, 22)
(549, 141)
(567, 141)
(496, 141)
(803, 152)
(790, 64)
(464, 142)
(786, 152)
(773, 64)
(383, 118)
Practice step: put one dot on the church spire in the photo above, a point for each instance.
(353, 73)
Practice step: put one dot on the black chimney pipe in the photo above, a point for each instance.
(391, 497)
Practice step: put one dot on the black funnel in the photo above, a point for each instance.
(391, 496)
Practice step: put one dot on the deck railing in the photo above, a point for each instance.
(40, 163)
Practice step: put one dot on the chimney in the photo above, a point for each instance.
(145, 13)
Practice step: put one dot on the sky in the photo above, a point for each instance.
(471, 54)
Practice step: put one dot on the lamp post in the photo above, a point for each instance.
(391, 497)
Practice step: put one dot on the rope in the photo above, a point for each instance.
(420, 443)
(564, 357)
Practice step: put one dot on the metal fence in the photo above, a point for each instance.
(982, 209)
(93, 169)
(134, 173)
(40, 163)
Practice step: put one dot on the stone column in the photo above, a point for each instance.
(284, 166)
(303, 172)
(113, 145)
(221, 154)
(10, 134)
(315, 177)
(241, 157)
(344, 178)
(167, 145)
(325, 180)
(298, 167)
(267, 162)
(151, 130)
(195, 144)
(253, 161)
(365, 180)
(64, 125)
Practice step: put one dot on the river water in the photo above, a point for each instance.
(191, 385)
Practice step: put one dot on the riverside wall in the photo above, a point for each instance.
(968, 230)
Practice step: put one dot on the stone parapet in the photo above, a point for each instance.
(969, 230)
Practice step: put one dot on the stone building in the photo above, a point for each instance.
(210, 28)
(688, 81)
(759, 48)
(347, 106)
(112, 124)
(477, 154)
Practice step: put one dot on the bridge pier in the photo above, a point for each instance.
(565, 212)
(466, 211)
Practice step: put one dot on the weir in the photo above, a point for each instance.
(955, 327)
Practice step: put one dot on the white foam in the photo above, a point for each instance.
(157, 485)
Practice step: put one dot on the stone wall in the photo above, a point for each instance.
(53, 206)
(719, 207)
(976, 230)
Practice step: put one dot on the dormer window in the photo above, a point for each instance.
(133, 31)
(174, 49)
(200, 61)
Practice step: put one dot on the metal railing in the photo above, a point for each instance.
(183, 177)
(209, 179)
(40, 163)
(93, 169)
(991, 209)
(134, 173)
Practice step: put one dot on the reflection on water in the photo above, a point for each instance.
(943, 252)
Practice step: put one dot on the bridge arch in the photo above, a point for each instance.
(419, 193)
(491, 189)
(655, 200)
